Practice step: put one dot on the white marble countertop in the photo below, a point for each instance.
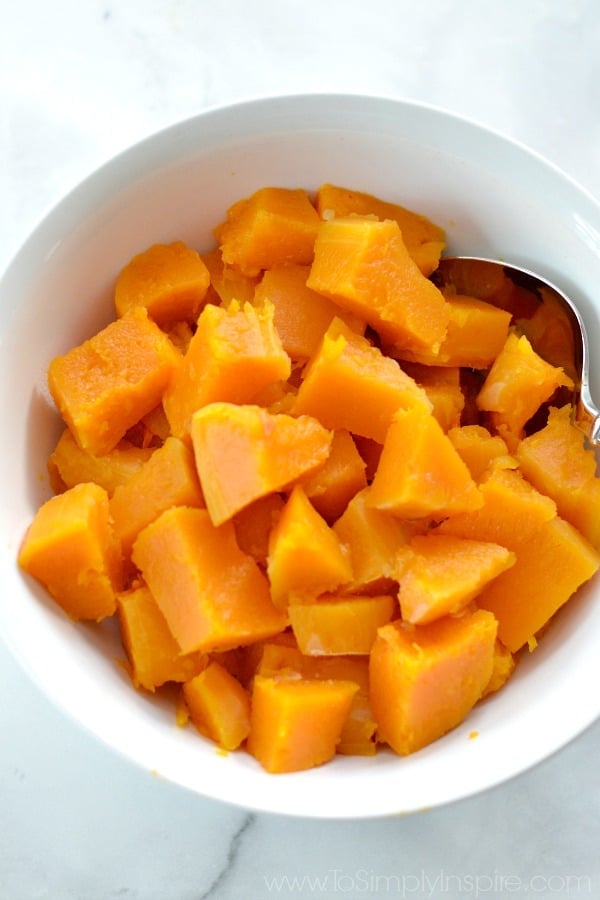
(78, 83)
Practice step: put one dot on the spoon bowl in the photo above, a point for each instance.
(542, 297)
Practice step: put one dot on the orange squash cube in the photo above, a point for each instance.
(552, 559)
(341, 476)
(503, 667)
(305, 556)
(363, 266)
(69, 465)
(301, 316)
(476, 334)
(168, 478)
(273, 227)
(420, 473)
(153, 652)
(219, 706)
(373, 538)
(213, 596)
(169, 280)
(550, 331)
(227, 283)
(477, 448)
(557, 462)
(244, 452)
(296, 724)
(234, 354)
(107, 384)
(156, 425)
(253, 525)
(444, 391)
(424, 240)
(425, 679)
(512, 511)
(440, 574)
(336, 625)
(350, 385)
(549, 569)
(357, 737)
(517, 384)
(71, 548)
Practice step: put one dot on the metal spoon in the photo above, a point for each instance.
(499, 280)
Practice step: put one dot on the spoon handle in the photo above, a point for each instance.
(587, 416)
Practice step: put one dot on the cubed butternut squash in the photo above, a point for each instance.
(226, 282)
(301, 316)
(219, 706)
(440, 575)
(69, 465)
(305, 556)
(477, 448)
(234, 354)
(373, 538)
(357, 737)
(296, 723)
(350, 385)
(363, 265)
(549, 569)
(425, 679)
(420, 473)
(168, 478)
(273, 227)
(244, 453)
(424, 239)
(552, 559)
(517, 384)
(153, 653)
(444, 390)
(213, 596)
(71, 548)
(476, 334)
(169, 280)
(330, 487)
(558, 463)
(105, 385)
(337, 625)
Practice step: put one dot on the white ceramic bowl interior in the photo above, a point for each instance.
(495, 199)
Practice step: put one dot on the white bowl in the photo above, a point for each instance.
(496, 199)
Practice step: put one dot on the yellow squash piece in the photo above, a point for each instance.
(424, 240)
(213, 596)
(350, 385)
(107, 384)
(169, 280)
(71, 548)
(168, 478)
(234, 355)
(517, 384)
(336, 625)
(244, 453)
(420, 473)
(440, 575)
(305, 555)
(154, 654)
(425, 679)
(219, 706)
(363, 266)
(273, 227)
(296, 723)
